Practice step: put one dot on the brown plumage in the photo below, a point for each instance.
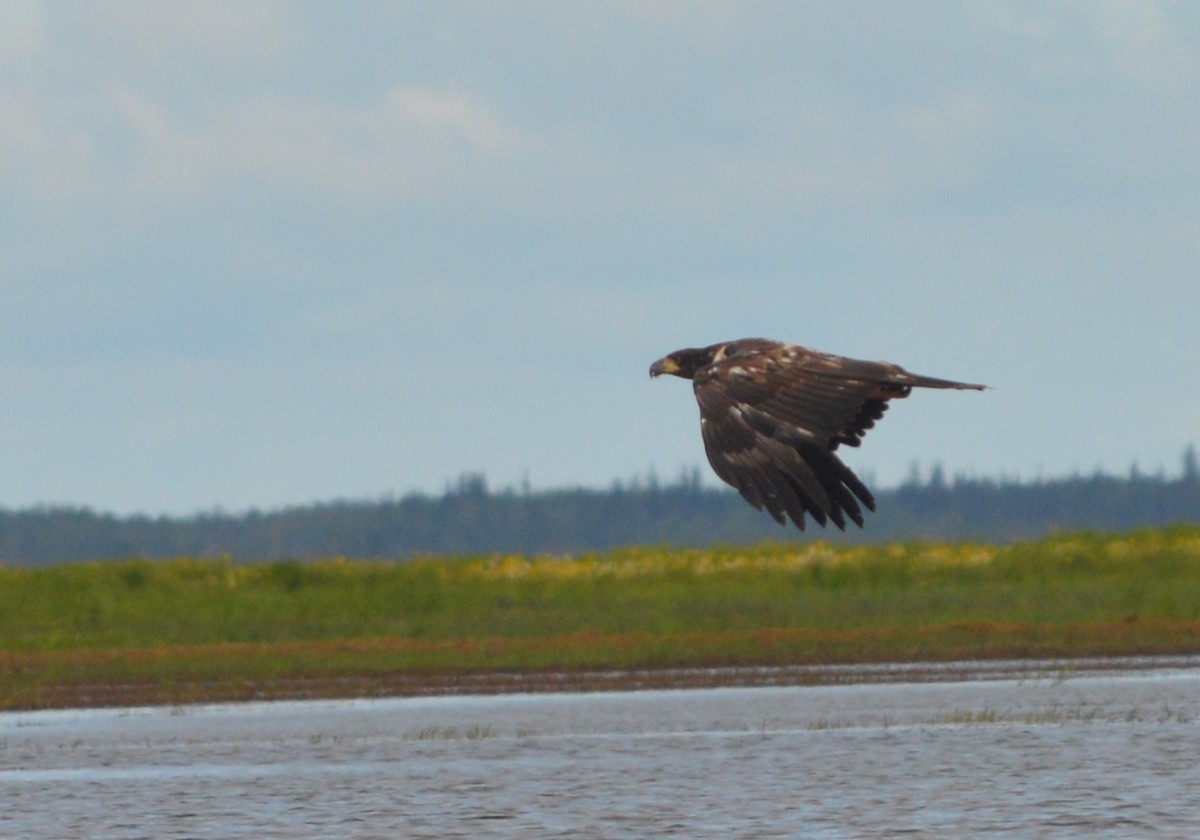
(773, 414)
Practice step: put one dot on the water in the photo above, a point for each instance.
(1109, 755)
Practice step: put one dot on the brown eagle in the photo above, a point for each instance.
(773, 414)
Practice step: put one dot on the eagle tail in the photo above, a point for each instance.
(911, 380)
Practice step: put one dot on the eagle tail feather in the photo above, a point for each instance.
(913, 380)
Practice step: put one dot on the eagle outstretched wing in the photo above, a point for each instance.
(773, 414)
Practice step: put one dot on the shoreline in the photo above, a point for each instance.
(410, 684)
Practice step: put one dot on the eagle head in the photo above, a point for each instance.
(684, 363)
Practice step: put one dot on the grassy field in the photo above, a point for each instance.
(188, 630)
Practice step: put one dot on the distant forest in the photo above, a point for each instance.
(470, 519)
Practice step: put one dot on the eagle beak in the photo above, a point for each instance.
(664, 365)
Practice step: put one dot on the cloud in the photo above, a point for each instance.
(411, 142)
(40, 157)
(661, 151)
(710, 15)
(23, 25)
(163, 102)
(173, 36)
(1149, 44)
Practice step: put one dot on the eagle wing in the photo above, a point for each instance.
(772, 415)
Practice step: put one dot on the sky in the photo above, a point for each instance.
(259, 253)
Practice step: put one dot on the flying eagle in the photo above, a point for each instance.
(772, 416)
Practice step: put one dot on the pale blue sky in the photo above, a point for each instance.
(261, 253)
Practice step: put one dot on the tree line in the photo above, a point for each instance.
(468, 518)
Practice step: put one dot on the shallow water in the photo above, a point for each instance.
(1110, 755)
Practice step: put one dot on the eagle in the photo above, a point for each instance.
(772, 416)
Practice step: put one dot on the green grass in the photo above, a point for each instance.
(199, 628)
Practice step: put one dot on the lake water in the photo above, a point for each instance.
(1054, 754)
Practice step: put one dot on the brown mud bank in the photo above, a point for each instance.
(407, 684)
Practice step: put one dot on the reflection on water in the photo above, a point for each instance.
(1046, 756)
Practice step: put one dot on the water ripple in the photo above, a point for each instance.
(1111, 753)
